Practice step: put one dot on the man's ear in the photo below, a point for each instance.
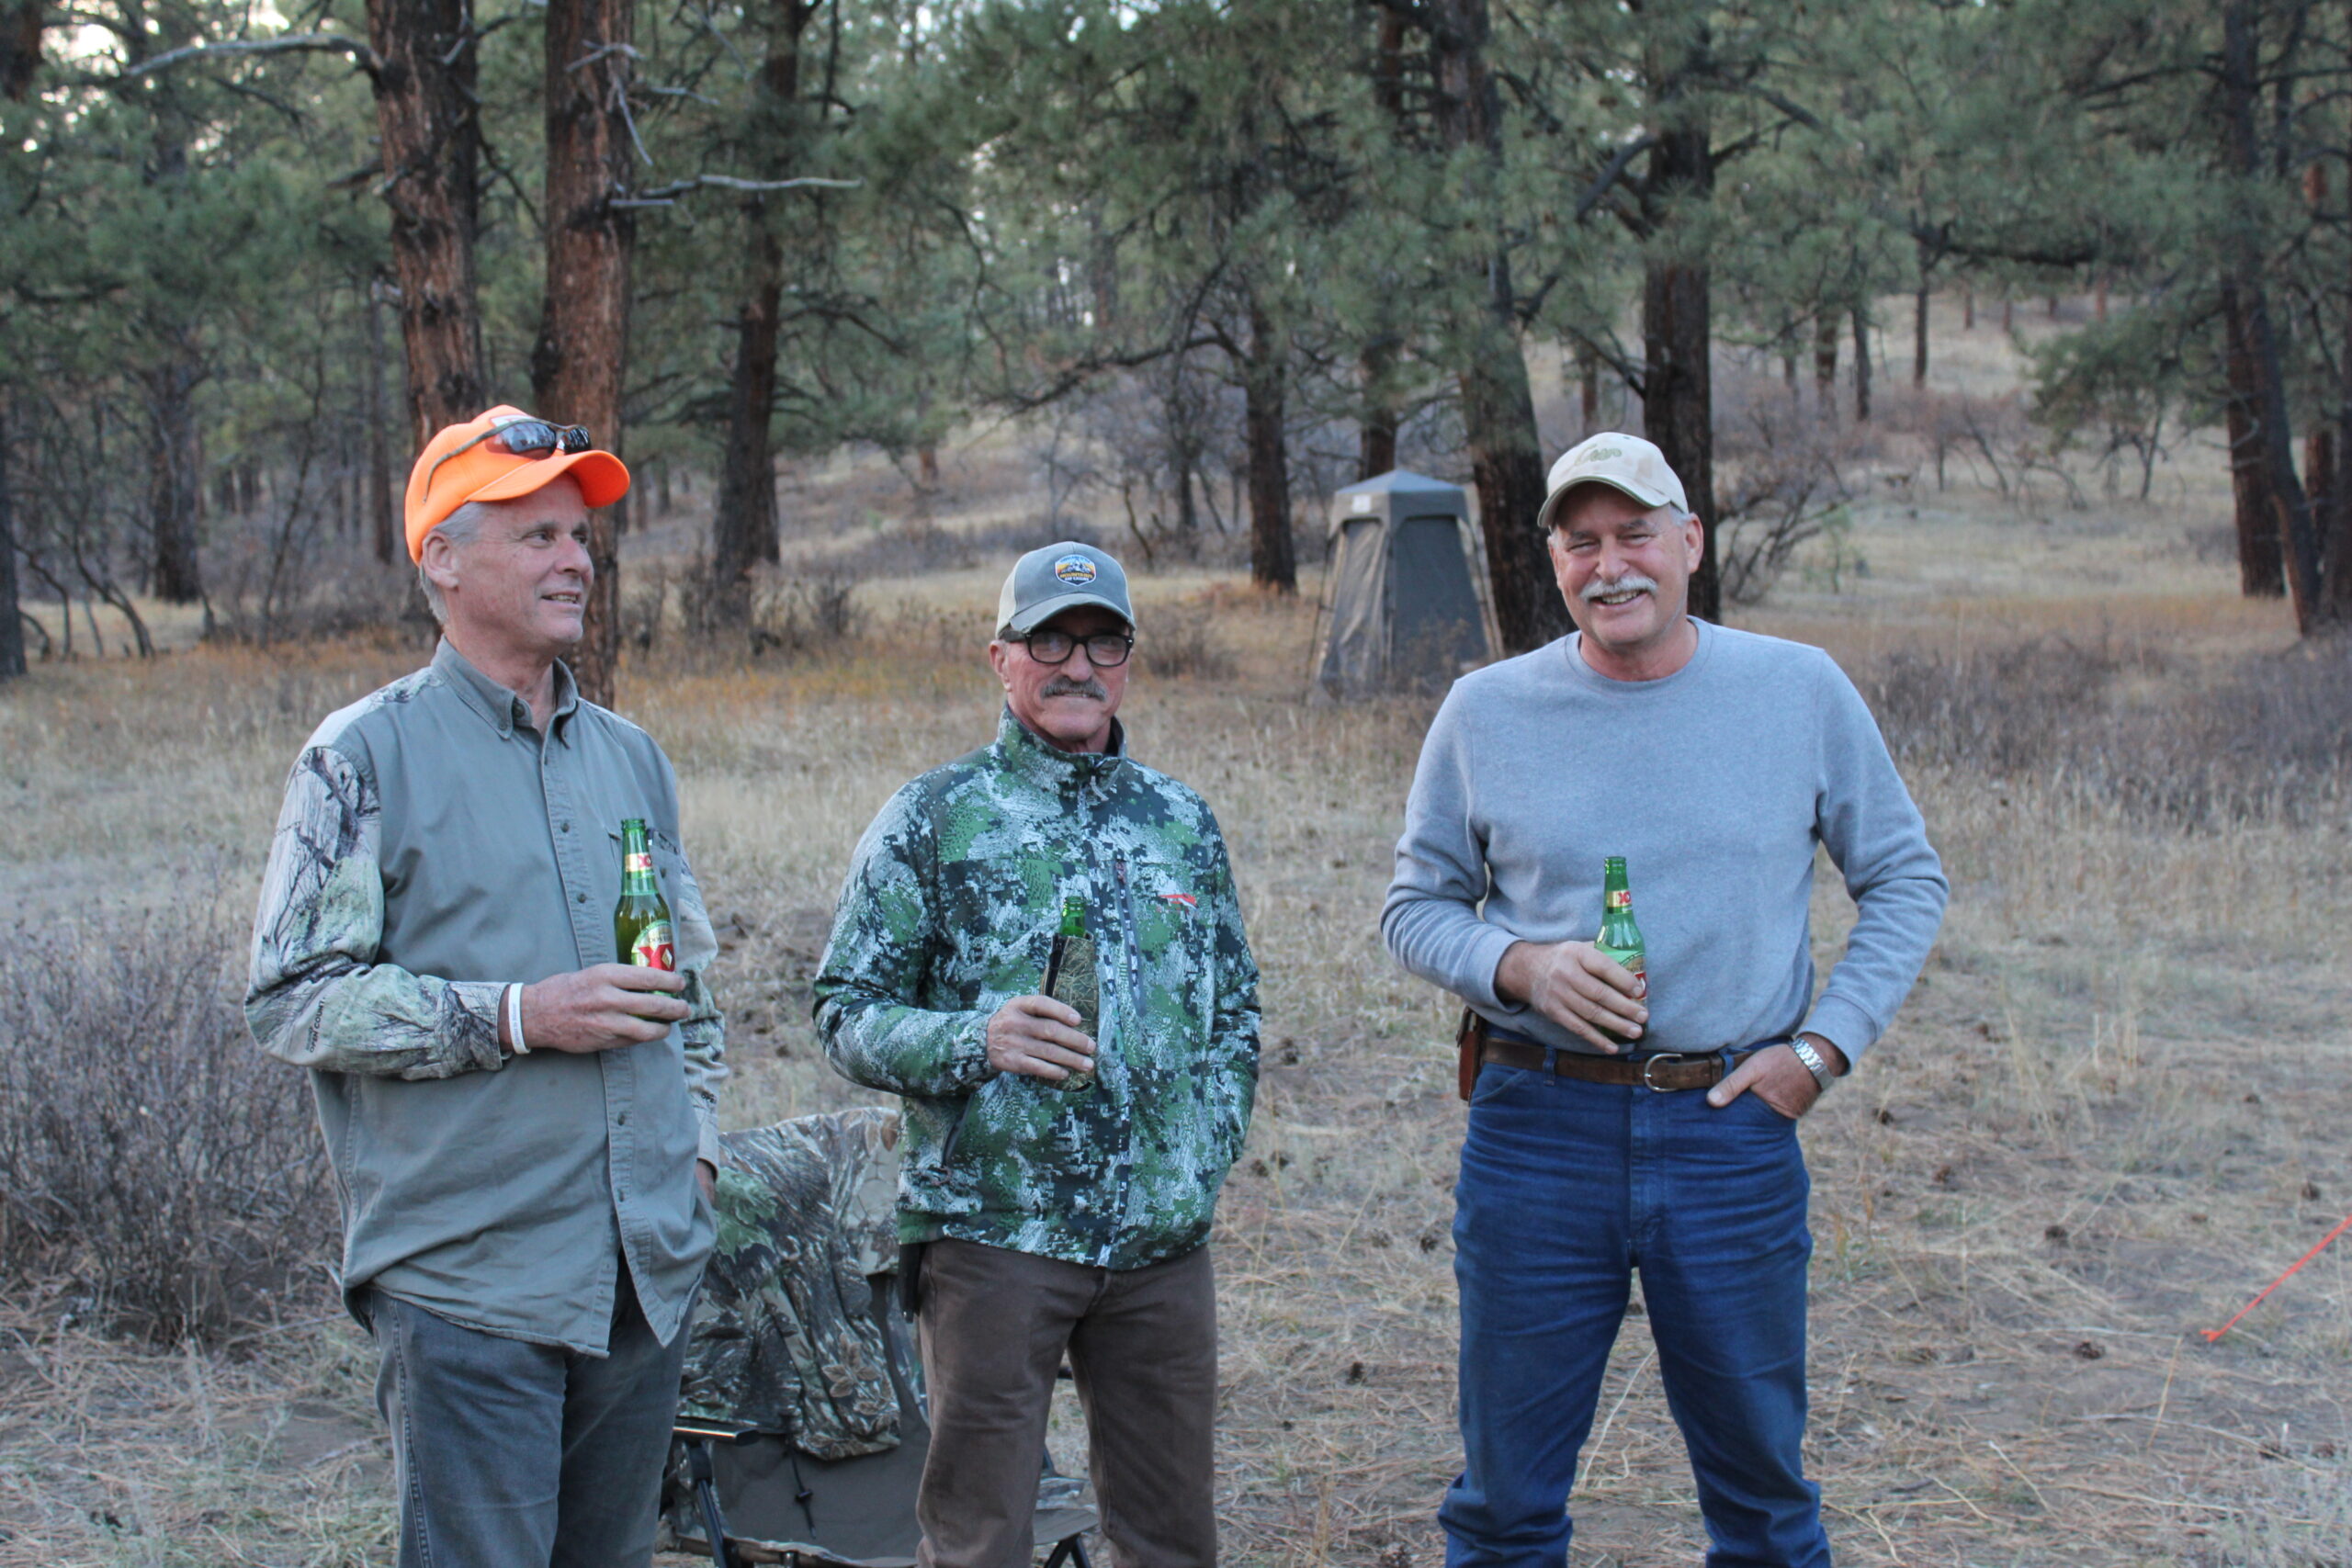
(998, 653)
(1697, 540)
(440, 561)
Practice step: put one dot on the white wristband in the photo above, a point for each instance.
(515, 1021)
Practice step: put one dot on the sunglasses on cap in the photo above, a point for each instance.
(519, 438)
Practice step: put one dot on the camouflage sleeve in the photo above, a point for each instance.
(317, 998)
(871, 984)
(1233, 1032)
(705, 1028)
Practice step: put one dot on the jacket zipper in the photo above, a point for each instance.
(1131, 951)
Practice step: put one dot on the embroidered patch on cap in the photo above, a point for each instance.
(1076, 571)
(1600, 455)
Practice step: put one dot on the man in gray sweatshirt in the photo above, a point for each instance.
(1621, 1122)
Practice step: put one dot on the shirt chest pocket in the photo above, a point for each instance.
(1172, 947)
(692, 941)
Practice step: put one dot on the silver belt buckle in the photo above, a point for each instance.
(1649, 1062)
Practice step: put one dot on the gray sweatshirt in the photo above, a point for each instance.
(1714, 783)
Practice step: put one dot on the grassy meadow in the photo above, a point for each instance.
(2113, 1109)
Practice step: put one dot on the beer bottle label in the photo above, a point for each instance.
(654, 948)
(642, 860)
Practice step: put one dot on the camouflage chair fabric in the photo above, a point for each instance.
(784, 1338)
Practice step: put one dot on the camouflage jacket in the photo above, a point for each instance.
(785, 1336)
(948, 912)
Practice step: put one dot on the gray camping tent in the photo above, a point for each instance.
(1408, 593)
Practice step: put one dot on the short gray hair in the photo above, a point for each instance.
(462, 526)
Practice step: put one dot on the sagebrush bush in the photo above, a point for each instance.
(2268, 740)
(153, 1161)
(1185, 642)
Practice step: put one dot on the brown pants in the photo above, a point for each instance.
(1143, 1344)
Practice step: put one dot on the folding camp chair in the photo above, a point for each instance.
(747, 1493)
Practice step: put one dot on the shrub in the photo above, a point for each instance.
(2267, 739)
(153, 1163)
(1183, 642)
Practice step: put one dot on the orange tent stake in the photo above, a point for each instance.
(2214, 1333)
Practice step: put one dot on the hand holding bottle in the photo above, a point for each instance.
(1039, 1037)
(1577, 987)
(601, 1008)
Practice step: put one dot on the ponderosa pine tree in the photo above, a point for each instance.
(581, 355)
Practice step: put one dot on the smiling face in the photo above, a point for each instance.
(1625, 570)
(1069, 704)
(518, 590)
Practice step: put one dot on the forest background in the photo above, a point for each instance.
(2007, 349)
(252, 258)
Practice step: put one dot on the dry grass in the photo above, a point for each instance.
(2112, 1111)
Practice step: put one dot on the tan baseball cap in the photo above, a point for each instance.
(1625, 463)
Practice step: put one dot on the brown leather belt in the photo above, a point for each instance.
(1662, 1071)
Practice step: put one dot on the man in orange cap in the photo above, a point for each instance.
(515, 1118)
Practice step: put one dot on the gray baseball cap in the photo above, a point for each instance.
(1624, 463)
(1045, 583)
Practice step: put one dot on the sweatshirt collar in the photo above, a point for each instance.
(1571, 649)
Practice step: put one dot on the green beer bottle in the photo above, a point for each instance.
(1070, 977)
(641, 920)
(1620, 938)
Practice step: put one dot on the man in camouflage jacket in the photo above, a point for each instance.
(1049, 1217)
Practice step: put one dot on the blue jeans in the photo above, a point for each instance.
(513, 1455)
(1566, 1188)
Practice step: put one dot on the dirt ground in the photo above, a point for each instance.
(2112, 1111)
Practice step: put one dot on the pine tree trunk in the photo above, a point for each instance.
(1588, 388)
(1376, 437)
(2319, 476)
(1265, 386)
(1825, 361)
(431, 145)
(20, 25)
(2335, 553)
(1919, 324)
(383, 524)
(2262, 571)
(2299, 542)
(1677, 346)
(1861, 311)
(743, 519)
(577, 366)
(12, 625)
(1498, 408)
(744, 523)
(176, 474)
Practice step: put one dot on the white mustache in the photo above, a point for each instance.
(1632, 581)
(1063, 686)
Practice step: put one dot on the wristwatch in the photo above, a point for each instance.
(1822, 1076)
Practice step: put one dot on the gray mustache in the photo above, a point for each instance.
(1632, 579)
(1063, 686)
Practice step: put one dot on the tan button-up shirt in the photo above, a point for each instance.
(434, 848)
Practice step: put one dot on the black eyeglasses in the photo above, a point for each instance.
(1104, 651)
(520, 438)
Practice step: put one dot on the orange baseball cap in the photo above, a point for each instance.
(467, 462)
